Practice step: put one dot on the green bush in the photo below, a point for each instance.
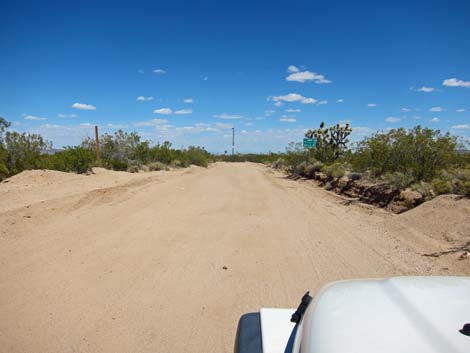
(317, 166)
(176, 164)
(154, 166)
(278, 163)
(441, 187)
(299, 169)
(335, 170)
(72, 159)
(310, 171)
(420, 151)
(24, 151)
(398, 180)
(133, 169)
(3, 171)
(198, 156)
(466, 189)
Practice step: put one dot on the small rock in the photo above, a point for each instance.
(224, 268)
(464, 255)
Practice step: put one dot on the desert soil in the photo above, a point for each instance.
(168, 261)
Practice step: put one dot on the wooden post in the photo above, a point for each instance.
(97, 143)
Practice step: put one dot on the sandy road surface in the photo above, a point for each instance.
(115, 262)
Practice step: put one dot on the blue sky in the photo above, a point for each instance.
(271, 69)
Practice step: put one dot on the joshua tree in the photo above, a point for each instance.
(331, 142)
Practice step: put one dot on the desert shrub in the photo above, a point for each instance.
(133, 169)
(24, 151)
(422, 152)
(299, 169)
(198, 156)
(3, 171)
(465, 189)
(121, 147)
(317, 166)
(462, 174)
(295, 154)
(354, 176)
(398, 180)
(423, 188)
(441, 187)
(115, 164)
(278, 163)
(176, 163)
(335, 170)
(310, 171)
(72, 159)
(157, 166)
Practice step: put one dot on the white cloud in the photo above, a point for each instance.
(292, 69)
(292, 110)
(305, 76)
(361, 131)
(436, 109)
(269, 112)
(116, 126)
(223, 125)
(288, 119)
(322, 102)
(86, 125)
(226, 116)
(145, 99)
(260, 118)
(34, 118)
(183, 111)
(425, 89)
(371, 105)
(152, 122)
(434, 120)
(278, 104)
(140, 71)
(417, 117)
(392, 119)
(83, 106)
(248, 124)
(67, 115)
(462, 126)
(292, 97)
(341, 100)
(159, 71)
(461, 110)
(163, 111)
(188, 100)
(454, 82)
(159, 121)
(308, 101)
(405, 110)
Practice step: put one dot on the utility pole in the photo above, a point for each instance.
(97, 149)
(233, 141)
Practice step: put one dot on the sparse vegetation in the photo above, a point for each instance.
(421, 162)
(120, 151)
(406, 166)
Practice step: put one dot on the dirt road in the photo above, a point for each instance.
(167, 262)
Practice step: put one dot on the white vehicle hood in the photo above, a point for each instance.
(399, 315)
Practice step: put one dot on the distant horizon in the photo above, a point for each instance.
(187, 72)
